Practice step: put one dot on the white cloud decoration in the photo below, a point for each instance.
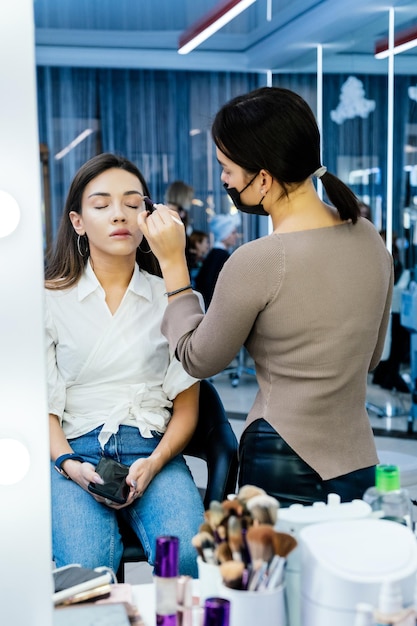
(352, 102)
(412, 93)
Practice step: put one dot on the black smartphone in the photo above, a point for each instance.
(114, 474)
(149, 204)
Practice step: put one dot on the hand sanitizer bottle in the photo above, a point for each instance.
(387, 499)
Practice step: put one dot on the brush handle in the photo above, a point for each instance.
(257, 575)
(276, 576)
(149, 204)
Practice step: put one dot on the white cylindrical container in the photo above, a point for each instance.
(256, 607)
(344, 563)
(209, 579)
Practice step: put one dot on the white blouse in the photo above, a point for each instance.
(106, 369)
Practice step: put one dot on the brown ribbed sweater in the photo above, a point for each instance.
(312, 309)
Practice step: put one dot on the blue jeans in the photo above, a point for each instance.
(85, 531)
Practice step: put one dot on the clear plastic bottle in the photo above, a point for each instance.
(387, 498)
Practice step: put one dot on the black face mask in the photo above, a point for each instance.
(256, 209)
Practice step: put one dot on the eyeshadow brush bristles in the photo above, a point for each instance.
(263, 509)
(238, 536)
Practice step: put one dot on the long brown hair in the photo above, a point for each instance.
(65, 264)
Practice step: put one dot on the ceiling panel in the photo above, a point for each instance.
(145, 33)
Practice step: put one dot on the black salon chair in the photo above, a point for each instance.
(213, 441)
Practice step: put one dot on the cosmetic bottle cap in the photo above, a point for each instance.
(387, 477)
(166, 620)
(216, 612)
(166, 557)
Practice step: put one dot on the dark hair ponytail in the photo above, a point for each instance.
(343, 198)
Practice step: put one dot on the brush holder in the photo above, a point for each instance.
(209, 580)
(256, 607)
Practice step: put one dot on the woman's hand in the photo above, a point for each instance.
(84, 473)
(142, 472)
(165, 234)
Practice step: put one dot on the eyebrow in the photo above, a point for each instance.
(108, 195)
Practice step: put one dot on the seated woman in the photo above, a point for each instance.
(114, 387)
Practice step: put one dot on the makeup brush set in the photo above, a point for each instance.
(238, 536)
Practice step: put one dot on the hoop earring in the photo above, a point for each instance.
(80, 252)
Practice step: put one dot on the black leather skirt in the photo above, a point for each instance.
(267, 461)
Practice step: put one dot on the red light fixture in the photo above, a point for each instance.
(404, 40)
(218, 17)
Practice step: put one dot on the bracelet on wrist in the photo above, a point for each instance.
(66, 457)
(174, 293)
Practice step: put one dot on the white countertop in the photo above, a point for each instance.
(144, 599)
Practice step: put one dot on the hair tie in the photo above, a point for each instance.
(320, 171)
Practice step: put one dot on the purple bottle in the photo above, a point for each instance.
(216, 612)
(165, 578)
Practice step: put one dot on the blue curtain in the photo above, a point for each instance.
(158, 119)
(161, 120)
(67, 107)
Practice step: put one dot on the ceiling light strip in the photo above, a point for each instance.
(403, 41)
(204, 28)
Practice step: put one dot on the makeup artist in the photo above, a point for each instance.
(310, 302)
(115, 389)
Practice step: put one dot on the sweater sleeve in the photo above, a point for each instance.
(206, 344)
(379, 348)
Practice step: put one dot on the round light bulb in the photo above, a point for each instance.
(14, 461)
(9, 212)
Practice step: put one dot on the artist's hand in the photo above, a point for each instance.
(165, 234)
